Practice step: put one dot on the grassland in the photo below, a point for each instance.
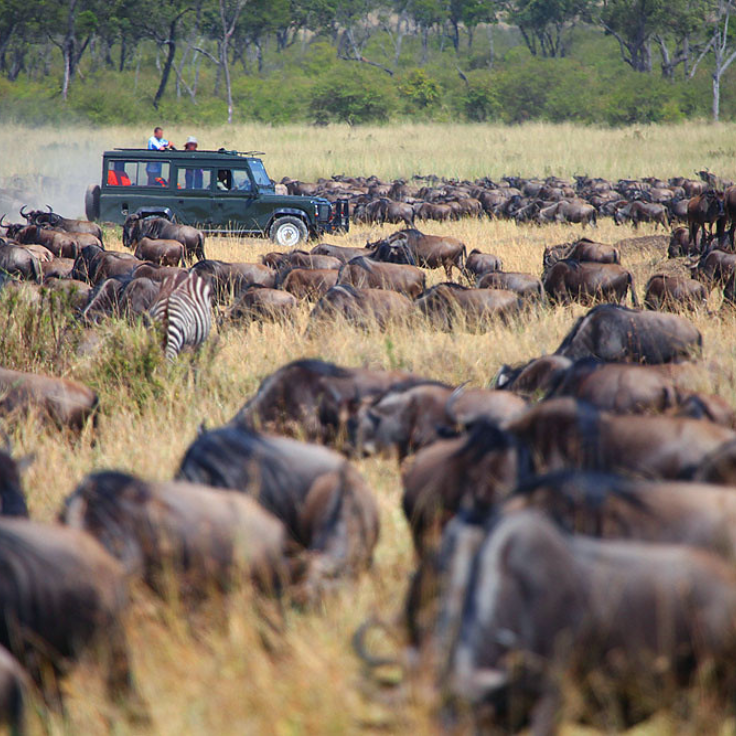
(225, 669)
(57, 165)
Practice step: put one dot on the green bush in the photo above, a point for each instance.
(480, 101)
(353, 96)
(419, 91)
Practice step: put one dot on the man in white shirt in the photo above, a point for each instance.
(156, 142)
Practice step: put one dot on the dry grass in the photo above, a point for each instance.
(57, 165)
(224, 669)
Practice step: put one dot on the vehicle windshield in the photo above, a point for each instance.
(259, 173)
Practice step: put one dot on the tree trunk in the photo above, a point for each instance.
(171, 52)
(425, 45)
(491, 46)
(455, 35)
(716, 95)
(67, 52)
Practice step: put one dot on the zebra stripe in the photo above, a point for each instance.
(184, 311)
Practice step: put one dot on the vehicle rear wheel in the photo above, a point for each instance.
(288, 232)
(92, 202)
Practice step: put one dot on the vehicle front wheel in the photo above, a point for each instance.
(288, 232)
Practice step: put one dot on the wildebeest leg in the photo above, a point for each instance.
(448, 269)
(543, 721)
(120, 685)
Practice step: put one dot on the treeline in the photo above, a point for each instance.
(211, 61)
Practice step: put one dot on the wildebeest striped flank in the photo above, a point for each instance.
(183, 308)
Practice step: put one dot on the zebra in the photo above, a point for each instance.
(183, 308)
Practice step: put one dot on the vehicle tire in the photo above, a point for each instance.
(92, 202)
(288, 232)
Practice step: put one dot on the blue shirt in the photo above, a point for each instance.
(155, 145)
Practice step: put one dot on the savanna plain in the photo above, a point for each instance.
(232, 666)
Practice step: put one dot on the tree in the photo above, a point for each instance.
(230, 11)
(544, 23)
(161, 20)
(724, 50)
(468, 13)
(681, 24)
(632, 23)
(426, 14)
(71, 28)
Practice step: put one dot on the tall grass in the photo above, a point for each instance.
(61, 163)
(224, 669)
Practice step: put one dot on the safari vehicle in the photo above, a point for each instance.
(217, 191)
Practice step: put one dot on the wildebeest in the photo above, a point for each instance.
(617, 334)
(576, 211)
(704, 209)
(68, 403)
(624, 388)
(327, 508)
(365, 273)
(94, 264)
(534, 377)
(315, 399)
(342, 252)
(476, 309)
(160, 252)
(529, 608)
(478, 263)
(307, 283)
(673, 293)
(582, 250)
(52, 219)
(432, 251)
(383, 210)
(680, 244)
(261, 303)
(638, 212)
(524, 284)
(715, 266)
(232, 278)
(570, 280)
(300, 259)
(138, 226)
(614, 507)
(405, 418)
(61, 594)
(59, 243)
(363, 307)
(15, 260)
(204, 536)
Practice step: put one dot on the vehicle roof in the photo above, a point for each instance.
(219, 155)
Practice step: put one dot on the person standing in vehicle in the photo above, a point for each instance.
(156, 142)
(192, 177)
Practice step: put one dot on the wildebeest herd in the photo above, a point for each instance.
(574, 523)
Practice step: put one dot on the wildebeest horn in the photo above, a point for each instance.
(1, 221)
(23, 211)
(48, 207)
(359, 647)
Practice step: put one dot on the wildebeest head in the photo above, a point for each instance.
(398, 252)
(131, 229)
(12, 500)
(714, 203)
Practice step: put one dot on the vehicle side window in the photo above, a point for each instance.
(193, 178)
(233, 180)
(121, 173)
(153, 174)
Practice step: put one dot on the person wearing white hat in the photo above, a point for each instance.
(192, 177)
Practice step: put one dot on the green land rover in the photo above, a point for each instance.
(217, 191)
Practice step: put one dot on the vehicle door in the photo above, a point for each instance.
(193, 198)
(234, 199)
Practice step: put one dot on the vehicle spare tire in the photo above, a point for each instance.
(288, 232)
(92, 202)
